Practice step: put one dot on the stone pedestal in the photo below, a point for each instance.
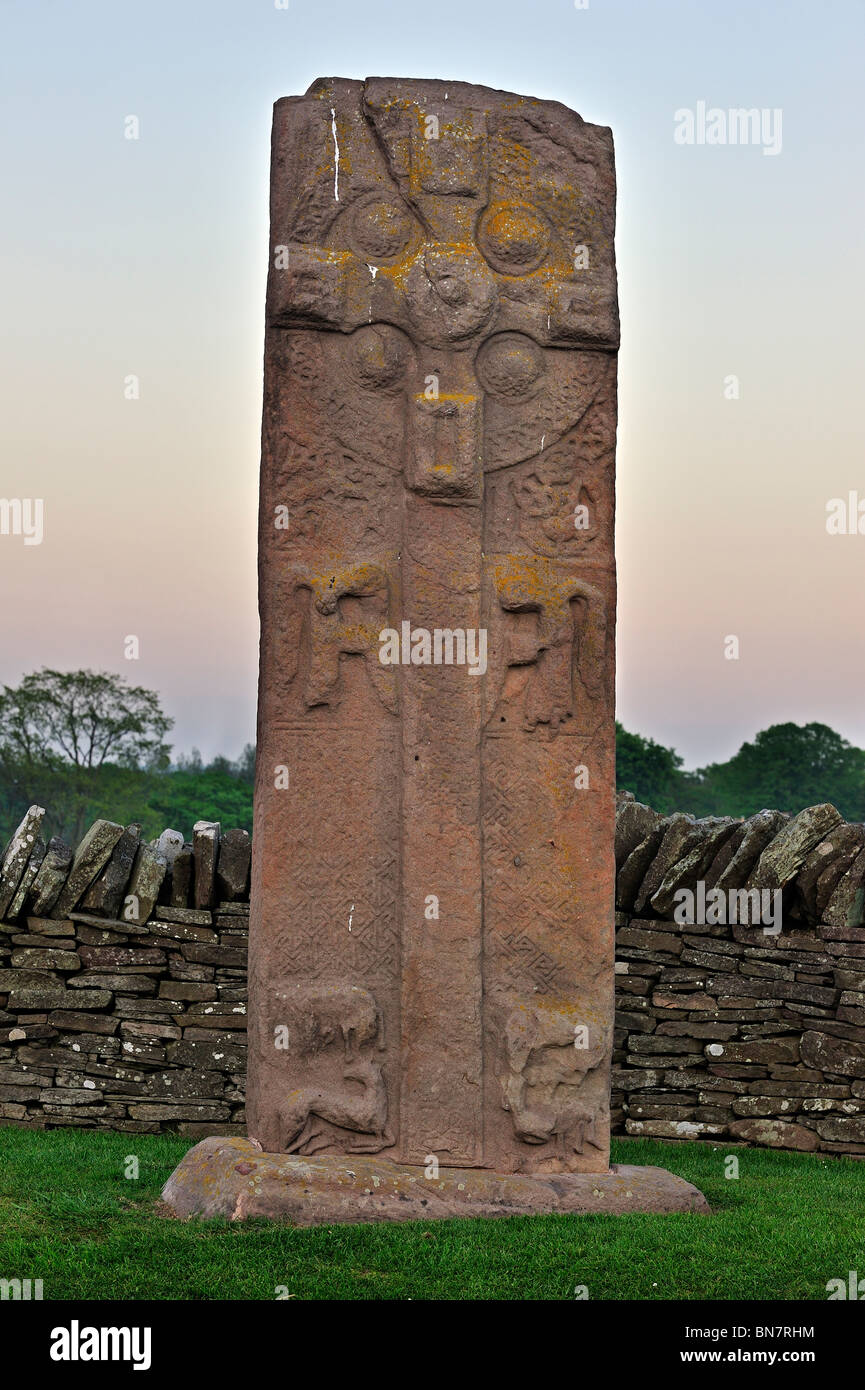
(431, 934)
(233, 1179)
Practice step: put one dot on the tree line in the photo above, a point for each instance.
(785, 767)
(85, 744)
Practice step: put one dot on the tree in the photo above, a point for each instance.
(189, 762)
(64, 734)
(84, 719)
(647, 769)
(789, 767)
(245, 764)
(181, 797)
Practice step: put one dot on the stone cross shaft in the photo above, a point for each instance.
(431, 945)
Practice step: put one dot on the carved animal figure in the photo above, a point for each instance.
(318, 1014)
(364, 1112)
(545, 1071)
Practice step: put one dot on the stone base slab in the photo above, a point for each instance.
(233, 1178)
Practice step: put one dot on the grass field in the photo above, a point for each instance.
(70, 1216)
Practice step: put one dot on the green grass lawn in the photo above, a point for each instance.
(69, 1216)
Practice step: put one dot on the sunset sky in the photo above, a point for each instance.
(148, 257)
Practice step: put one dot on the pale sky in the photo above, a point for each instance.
(148, 257)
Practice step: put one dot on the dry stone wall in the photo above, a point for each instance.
(123, 979)
(747, 1022)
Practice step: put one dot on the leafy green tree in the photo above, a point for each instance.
(66, 737)
(788, 767)
(181, 797)
(648, 769)
(190, 791)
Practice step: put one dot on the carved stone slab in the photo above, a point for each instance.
(431, 952)
(233, 1179)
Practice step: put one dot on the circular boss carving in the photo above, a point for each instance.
(510, 366)
(380, 227)
(378, 356)
(514, 237)
(450, 293)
